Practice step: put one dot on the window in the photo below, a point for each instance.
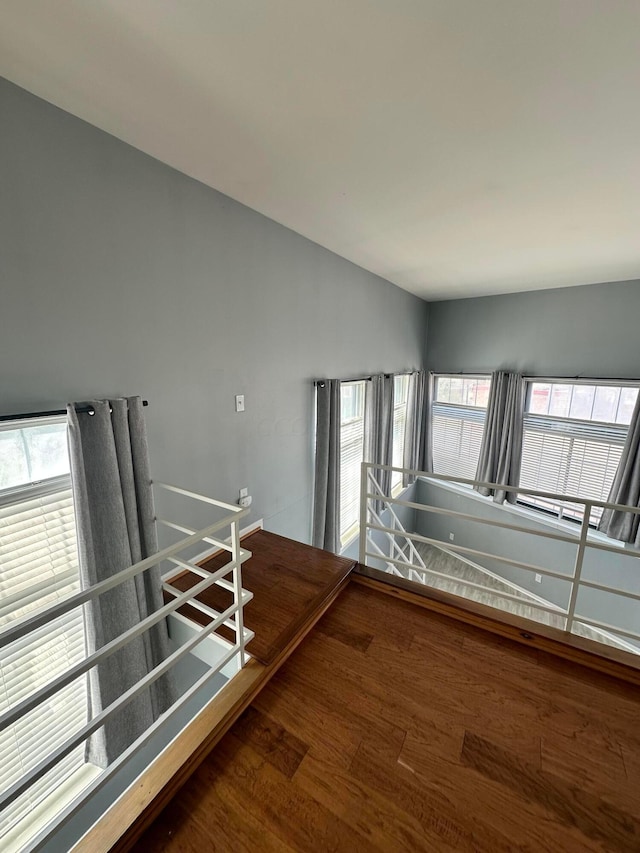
(572, 442)
(400, 397)
(458, 415)
(352, 396)
(38, 565)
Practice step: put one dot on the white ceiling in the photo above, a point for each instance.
(455, 147)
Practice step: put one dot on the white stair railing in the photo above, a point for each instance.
(397, 528)
(371, 522)
(228, 577)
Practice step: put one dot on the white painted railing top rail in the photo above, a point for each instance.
(370, 522)
(228, 577)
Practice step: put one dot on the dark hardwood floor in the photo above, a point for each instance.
(289, 581)
(395, 729)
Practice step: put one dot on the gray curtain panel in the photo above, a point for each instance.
(417, 444)
(116, 528)
(378, 429)
(625, 488)
(326, 498)
(501, 448)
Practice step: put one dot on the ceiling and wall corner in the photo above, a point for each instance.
(453, 147)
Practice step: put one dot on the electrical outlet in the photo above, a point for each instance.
(244, 493)
(451, 537)
(538, 578)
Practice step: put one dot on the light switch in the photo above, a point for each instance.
(239, 402)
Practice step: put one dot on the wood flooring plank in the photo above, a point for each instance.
(175, 829)
(358, 680)
(407, 697)
(341, 837)
(359, 640)
(500, 815)
(595, 818)
(498, 649)
(217, 822)
(436, 810)
(361, 714)
(593, 755)
(464, 697)
(291, 814)
(588, 696)
(301, 714)
(372, 815)
(271, 740)
(340, 693)
(631, 758)
(371, 615)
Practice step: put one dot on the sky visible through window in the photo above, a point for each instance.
(463, 390)
(602, 403)
(33, 453)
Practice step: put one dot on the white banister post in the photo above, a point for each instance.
(392, 538)
(577, 571)
(364, 486)
(237, 588)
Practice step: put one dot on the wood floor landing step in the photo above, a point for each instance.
(290, 582)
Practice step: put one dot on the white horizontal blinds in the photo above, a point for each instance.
(352, 395)
(27, 742)
(38, 553)
(573, 455)
(458, 417)
(38, 566)
(400, 394)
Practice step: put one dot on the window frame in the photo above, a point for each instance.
(397, 478)
(15, 499)
(347, 536)
(595, 426)
(561, 511)
(457, 411)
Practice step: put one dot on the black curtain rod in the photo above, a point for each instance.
(358, 378)
(55, 413)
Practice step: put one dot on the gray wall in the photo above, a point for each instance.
(120, 276)
(590, 330)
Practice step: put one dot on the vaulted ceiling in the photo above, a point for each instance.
(454, 147)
